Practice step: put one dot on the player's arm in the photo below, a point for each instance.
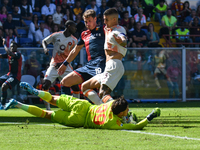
(7, 49)
(121, 39)
(46, 41)
(72, 55)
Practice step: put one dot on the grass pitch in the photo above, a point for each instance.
(178, 127)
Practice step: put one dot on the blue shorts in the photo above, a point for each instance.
(92, 68)
(11, 81)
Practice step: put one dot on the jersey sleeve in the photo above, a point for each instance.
(17, 55)
(80, 40)
(50, 39)
(5, 55)
(121, 32)
(140, 125)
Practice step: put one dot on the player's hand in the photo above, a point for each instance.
(46, 51)
(4, 41)
(117, 39)
(61, 69)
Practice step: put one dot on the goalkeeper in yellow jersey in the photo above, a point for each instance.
(80, 113)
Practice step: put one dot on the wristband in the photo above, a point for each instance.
(65, 63)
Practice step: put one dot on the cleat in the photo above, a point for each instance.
(1, 107)
(155, 113)
(26, 86)
(130, 118)
(12, 103)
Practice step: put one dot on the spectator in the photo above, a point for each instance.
(25, 10)
(125, 20)
(139, 36)
(70, 3)
(32, 66)
(168, 23)
(93, 6)
(35, 5)
(111, 3)
(148, 6)
(79, 25)
(3, 14)
(195, 30)
(134, 8)
(57, 17)
(1, 37)
(103, 7)
(198, 11)
(49, 22)
(174, 73)
(177, 10)
(64, 6)
(140, 17)
(186, 10)
(40, 34)
(152, 37)
(56, 28)
(131, 24)
(118, 6)
(48, 9)
(7, 5)
(183, 31)
(196, 80)
(67, 16)
(189, 19)
(34, 26)
(17, 19)
(77, 9)
(10, 38)
(9, 24)
(160, 10)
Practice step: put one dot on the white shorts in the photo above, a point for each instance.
(112, 74)
(52, 73)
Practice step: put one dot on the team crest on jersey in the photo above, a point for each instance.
(97, 28)
(70, 43)
(62, 47)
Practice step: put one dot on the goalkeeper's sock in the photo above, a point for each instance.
(107, 98)
(34, 110)
(155, 113)
(45, 95)
(93, 96)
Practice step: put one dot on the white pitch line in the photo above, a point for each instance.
(164, 135)
(139, 132)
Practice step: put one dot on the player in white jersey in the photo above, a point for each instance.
(63, 43)
(115, 50)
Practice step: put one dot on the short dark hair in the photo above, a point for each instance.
(110, 11)
(119, 105)
(69, 22)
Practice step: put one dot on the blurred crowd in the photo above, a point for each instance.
(41, 18)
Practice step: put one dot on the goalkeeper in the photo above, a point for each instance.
(80, 113)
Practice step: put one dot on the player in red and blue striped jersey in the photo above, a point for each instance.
(13, 77)
(93, 39)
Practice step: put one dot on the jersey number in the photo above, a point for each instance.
(97, 118)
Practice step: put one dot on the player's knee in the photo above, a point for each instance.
(84, 87)
(64, 83)
(46, 85)
(4, 87)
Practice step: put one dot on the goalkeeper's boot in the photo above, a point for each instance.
(155, 113)
(130, 118)
(12, 103)
(26, 86)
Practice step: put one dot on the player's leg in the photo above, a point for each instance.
(34, 110)
(88, 86)
(156, 78)
(72, 80)
(3, 94)
(46, 96)
(45, 86)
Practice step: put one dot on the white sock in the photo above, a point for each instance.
(93, 96)
(77, 95)
(47, 105)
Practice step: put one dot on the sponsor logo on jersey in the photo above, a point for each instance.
(70, 43)
(62, 47)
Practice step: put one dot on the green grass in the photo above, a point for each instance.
(177, 119)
